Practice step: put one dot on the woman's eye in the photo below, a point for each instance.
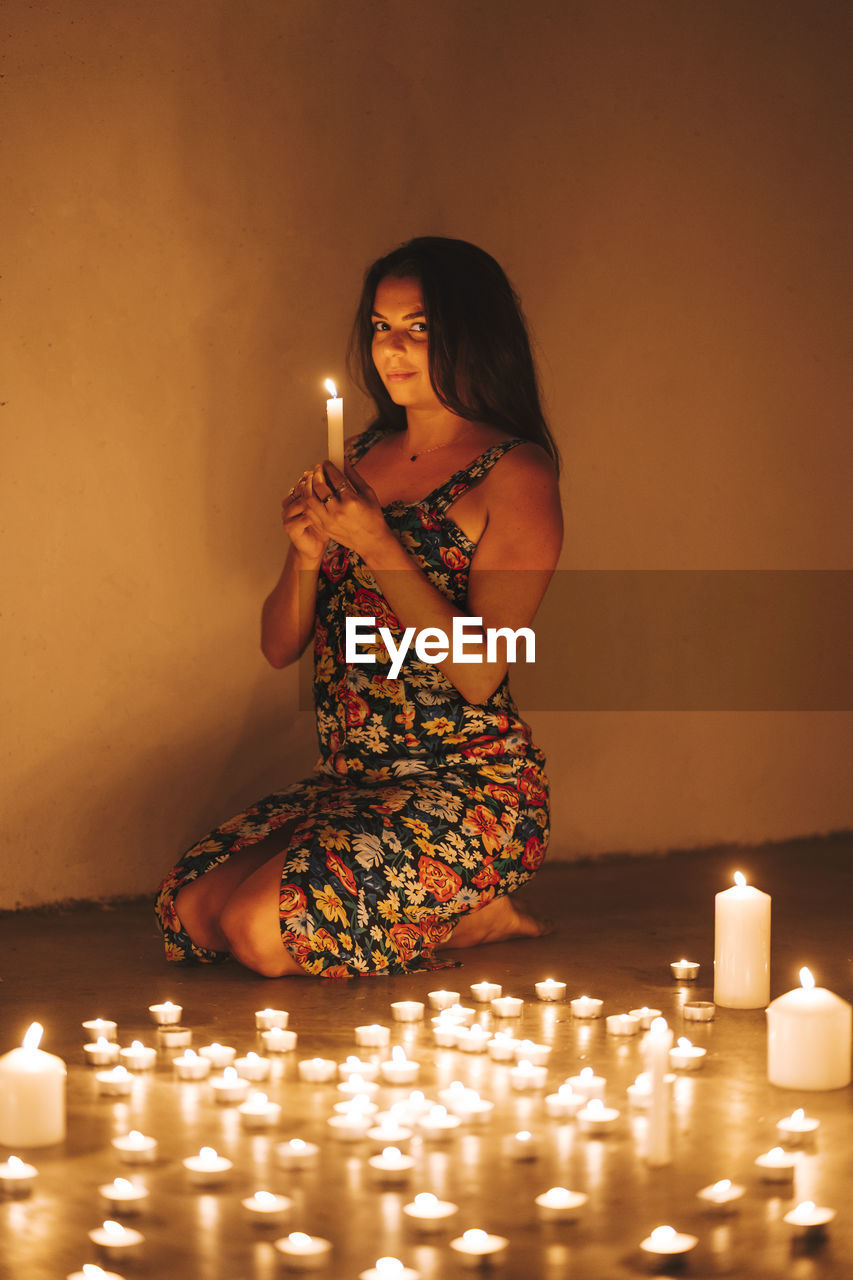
(379, 326)
(419, 326)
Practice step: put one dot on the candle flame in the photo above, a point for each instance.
(684, 1043)
(725, 1184)
(122, 1184)
(331, 388)
(798, 1114)
(32, 1039)
(398, 1054)
(264, 1199)
(136, 1045)
(663, 1235)
(92, 1272)
(208, 1153)
(114, 1229)
(740, 879)
(425, 1200)
(388, 1268)
(16, 1164)
(299, 1238)
(659, 1025)
(391, 1153)
(806, 979)
(476, 1237)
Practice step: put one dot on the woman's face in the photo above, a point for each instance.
(401, 343)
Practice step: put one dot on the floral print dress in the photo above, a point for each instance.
(422, 806)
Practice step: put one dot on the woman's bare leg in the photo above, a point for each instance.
(498, 920)
(250, 922)
(201, 902)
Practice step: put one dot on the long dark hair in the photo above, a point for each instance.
(480, 362)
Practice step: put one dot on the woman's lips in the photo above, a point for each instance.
(399, 375)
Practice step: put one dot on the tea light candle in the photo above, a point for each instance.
(458, 1013)
(266, 1019)
(229, 1088)
(622, 1024)
(645, 1015)
(357, 1086)
(279, 1040)
(776, 1165)
(266, 1209)
(486, 992)
(446, 1031)
(218, 1055)
(17, 1177)
(190, 1066)
(558, 1204)
(550, 990)
(359, 1104)
(473, 1039)
(807, 1218)
(742, 946)
(686, 1056)
(123, 1196)
(207, 1168)
(507, 1007)
(407, 1010)
(115, 1240)
(416, 1104)
(564, 1104)
(809, 1038)
(698, 1010)
(437, 1125)
(135, 1148)
(522, 1146)
(32, 1094)
(166, 1014)
(588, 1084)
(667, 1243)
(317, 1070)
(501, 1047)
(350, 1127)
(390, 1132)
(137, 1057)
(398, 1069)
(174, 1037)
(100, 1029)
(797, 1128)
(586, 1007)
(685, 970)
(442, 999)
(428, 1214)
(354, 1066)
(373, 1036)
(722, 1196)
(301, 1252)
(478, 1248)
(389, 1269)
(297, 1154)
(258, 1113)
(597, 1120)
(538, 1054)
(101, 1052)
(526, 1077)
(92, 1272)
(391, 1165)
(115, 1083)
(253, 1067)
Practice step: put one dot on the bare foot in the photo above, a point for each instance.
(498, 920)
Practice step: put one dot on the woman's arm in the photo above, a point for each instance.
(509, 573)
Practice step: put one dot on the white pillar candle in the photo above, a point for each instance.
(335, 424)
(809, 1038)
(742, 946)
(32, 1095)
(656, 1047)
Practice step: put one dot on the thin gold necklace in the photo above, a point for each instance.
(414, 456)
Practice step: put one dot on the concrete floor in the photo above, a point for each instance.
(619, 924)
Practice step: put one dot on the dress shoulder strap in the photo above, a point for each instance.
(360, 444)
(464, 479)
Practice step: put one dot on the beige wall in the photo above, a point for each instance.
(191, 191)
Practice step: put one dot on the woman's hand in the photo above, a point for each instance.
(308, 541)
(343, 507)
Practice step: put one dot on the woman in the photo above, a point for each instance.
(429, 806)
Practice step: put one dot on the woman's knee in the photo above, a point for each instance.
(254, 941)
